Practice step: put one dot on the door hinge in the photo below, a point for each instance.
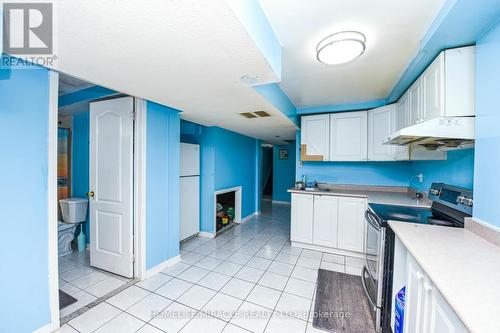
(133, 115)
(133, 258)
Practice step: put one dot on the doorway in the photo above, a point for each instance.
(266, 175)
(98, 199)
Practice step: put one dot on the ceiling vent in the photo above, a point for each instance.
(262, 114)
(256, 114)
(248, 115)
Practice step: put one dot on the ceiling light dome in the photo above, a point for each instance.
(341, 47)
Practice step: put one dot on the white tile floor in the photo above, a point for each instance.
(85, 283)
(247, 279)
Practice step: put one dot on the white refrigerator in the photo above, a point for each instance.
(189, 190)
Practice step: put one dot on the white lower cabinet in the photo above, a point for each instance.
(426, 311)
(325, 222)
(329, 221)
(302, 218)
(351, 231)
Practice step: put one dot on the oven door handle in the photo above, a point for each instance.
(369, 219)
(363, 274)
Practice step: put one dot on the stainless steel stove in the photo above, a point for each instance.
(450, 206)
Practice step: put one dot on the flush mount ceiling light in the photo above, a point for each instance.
(341, 47)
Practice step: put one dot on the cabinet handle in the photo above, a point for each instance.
(420, 276)
(427, 286)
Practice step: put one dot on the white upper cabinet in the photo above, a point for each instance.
(349, 136)
(449, 84)
(314, 137)
(402, 153)
(433, 89)
(381, 124)
(415, 102)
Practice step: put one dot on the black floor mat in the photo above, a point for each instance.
(65, 299)
(341, 305)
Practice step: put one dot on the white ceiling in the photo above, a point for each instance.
(393, 30)
(187, 54)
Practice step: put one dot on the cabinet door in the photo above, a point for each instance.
(381, 124)
(302, 218)
(442, 318)
(325, 220)
(415, 302)
(349, 136)
(314, 137)
(433, 89)
(402, 153)
(351, 228)
(415, 96)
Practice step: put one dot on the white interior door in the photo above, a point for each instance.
(111, 176)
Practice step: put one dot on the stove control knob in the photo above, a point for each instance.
(433, 191)
(469, 202)
(461, 199)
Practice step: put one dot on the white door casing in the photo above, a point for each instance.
(111, 180)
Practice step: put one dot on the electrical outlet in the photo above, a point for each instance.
(420, 177)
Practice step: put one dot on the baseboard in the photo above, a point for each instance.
(279, 202)
(329, 250)
(50, 327)
(158, 268)
(206, 234)
(248, 217)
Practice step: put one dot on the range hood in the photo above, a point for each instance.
(442, 132)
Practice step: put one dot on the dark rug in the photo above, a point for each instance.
(65, 299)
(341, 304)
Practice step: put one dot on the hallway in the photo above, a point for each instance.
(247, 279)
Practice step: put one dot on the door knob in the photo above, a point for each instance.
(90, 194)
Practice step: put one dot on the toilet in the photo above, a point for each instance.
(74, 211)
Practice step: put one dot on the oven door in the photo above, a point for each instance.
(373, 240)
(373, 271)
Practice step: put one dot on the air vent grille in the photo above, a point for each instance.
(248, 115)
(256, 114)
(262, 114)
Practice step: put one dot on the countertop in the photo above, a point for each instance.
(375, 194)
(463, 266)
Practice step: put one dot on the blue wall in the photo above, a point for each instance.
(228, 159)
(162, 184)
(24, 113)
(487, 165)
(357, 173)
(283, 173)
(457, 170)
(80, 161)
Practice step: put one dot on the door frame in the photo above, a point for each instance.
(139, 197)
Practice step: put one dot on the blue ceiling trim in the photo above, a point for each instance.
(273, 93)
(85, 95)
(341, 107)
(459, 23)
(255, 21)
